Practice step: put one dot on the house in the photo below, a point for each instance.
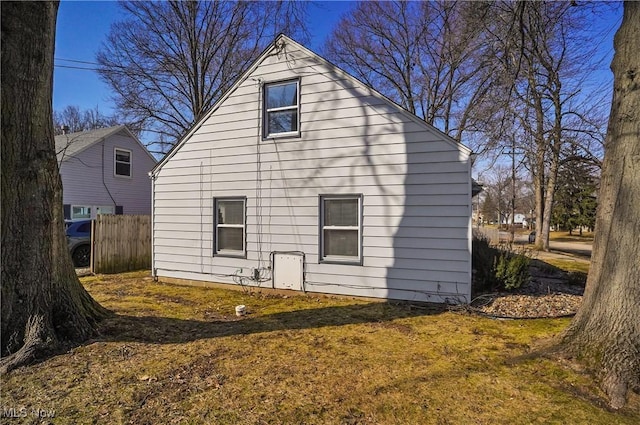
(104, 171)
(303, 178)
(519, 219)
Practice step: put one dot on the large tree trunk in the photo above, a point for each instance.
(539, 168)
(43, 304)
(606, 330)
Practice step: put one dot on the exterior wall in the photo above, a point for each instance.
(88, 177)
(416, 189)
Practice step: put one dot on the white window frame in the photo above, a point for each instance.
(105, 209)
(267, 111)
(83, 217)
(243, 226)
(115, 162)
(341, 259)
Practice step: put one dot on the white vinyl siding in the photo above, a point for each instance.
(414, 187)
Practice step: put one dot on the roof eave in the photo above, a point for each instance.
(216, 105)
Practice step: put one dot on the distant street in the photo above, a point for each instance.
(578, 248)
(582, 249)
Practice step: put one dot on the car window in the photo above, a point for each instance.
(84, 228)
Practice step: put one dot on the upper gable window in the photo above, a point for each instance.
(122, 163)
(281, 111)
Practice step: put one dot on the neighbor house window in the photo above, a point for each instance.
(106, 209)
(230, 226)
(122, 165)
(341, 228)
(78, 211)
(281, 116)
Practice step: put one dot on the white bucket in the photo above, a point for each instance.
(240, 310)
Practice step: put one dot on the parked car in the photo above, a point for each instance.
(79, 241)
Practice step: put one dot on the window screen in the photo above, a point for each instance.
(230, 226)
(281, 108)
(341, 228)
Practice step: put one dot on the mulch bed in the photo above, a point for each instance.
(544, 296)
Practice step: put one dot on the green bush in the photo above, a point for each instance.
(497, 269)
(512, 270)
(483, 257)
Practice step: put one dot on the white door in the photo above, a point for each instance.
(287, 271)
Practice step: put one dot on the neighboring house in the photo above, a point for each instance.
(301, 177)
(520, 219)
(104, 171)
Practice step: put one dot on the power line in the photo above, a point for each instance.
(75, 67)
(99, 66)
(76, 61)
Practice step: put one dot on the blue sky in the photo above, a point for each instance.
(84, 25)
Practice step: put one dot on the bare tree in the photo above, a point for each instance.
(605, 333)
(497, 194)
(499, 190)
(72, 119)
(429, 57)
(541, 46)
(169, 62)
(43, 304)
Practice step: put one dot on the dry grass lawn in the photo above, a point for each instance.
(568, 264)
(179, 355)
(560, 236)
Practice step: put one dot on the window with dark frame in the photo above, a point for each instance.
(122, 163)
(230, 227)
(281, 117)
(341, 228)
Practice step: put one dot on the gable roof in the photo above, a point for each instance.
(281, 38)
(68, 145)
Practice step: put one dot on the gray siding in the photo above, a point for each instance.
(88, 177)
(415, 186)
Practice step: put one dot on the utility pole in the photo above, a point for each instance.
(512, 228)
(513, 190)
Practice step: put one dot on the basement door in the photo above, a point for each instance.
(288, 271)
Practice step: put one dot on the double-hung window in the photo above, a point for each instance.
(281, 109)
(122, 163)
(341, 228)
(230, 226)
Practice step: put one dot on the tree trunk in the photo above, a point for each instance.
(549, 192)
(538, 182)
(43, 304)
(606, 330)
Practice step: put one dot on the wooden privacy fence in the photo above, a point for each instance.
(120, 243)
